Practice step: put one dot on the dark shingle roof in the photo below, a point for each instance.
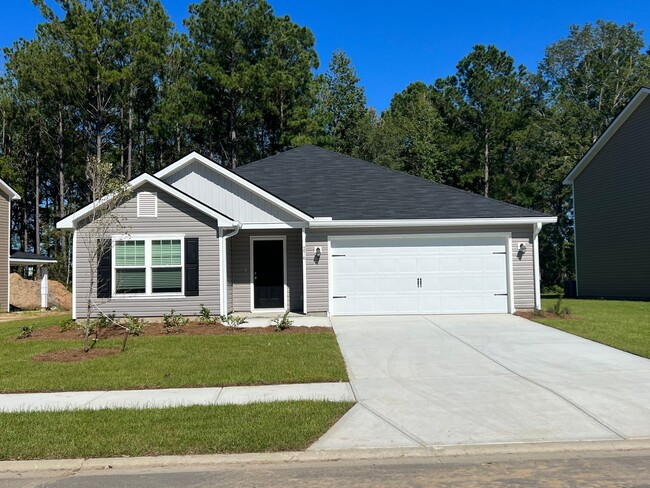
(323, 183)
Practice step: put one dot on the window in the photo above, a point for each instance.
(148, 266)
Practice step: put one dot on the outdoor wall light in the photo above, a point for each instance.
(318, 253)
(522, 248)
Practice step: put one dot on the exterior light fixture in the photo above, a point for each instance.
(318, 252)
(522, 248)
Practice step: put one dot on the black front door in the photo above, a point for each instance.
(268, 274)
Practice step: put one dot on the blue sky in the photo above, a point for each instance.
(394, 43)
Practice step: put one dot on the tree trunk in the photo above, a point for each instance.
(129, 146)
(59, 166)
(233, 135)
(37, 206)
(486, 165)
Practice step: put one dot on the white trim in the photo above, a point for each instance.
(222, 273)
(155, 204)
(511, 275)
(194, 156)
(429, 222)
(538, 294)
(9, 191)
(148, 266)
(575, 237)
(304, 271)
(273, 226)
(507, 243)
(70, 222)
(74, 274)
(252, 273)
(632, 105)
(31, 262)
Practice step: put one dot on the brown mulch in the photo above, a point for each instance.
(157, 329)
(73, 355)
(26, 294)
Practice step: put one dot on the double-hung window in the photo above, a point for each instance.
(148, 265)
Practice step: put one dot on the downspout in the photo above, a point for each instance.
(224, 267)
(538, 296)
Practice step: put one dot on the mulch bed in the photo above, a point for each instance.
(157, 329)
(73, 355)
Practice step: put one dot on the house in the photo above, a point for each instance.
(7, 195)
(611, 208)
(307, 230)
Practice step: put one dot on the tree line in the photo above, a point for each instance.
(114, 81)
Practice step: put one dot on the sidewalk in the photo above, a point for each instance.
(173, 397)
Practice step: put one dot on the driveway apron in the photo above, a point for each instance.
(483, 379)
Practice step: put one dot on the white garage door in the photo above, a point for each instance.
(399, 275)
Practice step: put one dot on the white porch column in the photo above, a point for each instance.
(44, 287)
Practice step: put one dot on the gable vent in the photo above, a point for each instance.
(147, 204)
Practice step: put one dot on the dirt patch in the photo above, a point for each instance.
(530, 315)
(73, 355)
(26, 294)
(191, 329)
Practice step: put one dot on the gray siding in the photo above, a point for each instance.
(612, 214)
(239, 266)
(174, 217)
(229, 198)
(317, 271)
(5, 230)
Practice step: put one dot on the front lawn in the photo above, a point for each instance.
(172, 361)
(258, 427)
(621, 324)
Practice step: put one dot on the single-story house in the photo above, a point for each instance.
(611, 208)
(7, 195)
(306, 230)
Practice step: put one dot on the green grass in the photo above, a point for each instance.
(170, 362)
(259, 427)
(621, 324)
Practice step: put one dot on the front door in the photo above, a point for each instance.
(268, 274)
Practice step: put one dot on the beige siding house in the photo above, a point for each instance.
(309, 231)
(7, 194)
(611, 201)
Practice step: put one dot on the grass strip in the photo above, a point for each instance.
(258, 427)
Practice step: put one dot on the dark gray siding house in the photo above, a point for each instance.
(7, 194)
(611, 199)
(309, 231)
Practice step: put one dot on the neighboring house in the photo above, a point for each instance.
(7, 195)
(311, 231)
(611, 205)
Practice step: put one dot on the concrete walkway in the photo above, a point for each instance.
(173, 397)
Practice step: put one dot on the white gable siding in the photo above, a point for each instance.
(224, 195)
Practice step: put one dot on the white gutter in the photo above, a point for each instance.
(538, 296)
(428, 222)
(223, 271)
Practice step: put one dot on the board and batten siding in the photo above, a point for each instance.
(317, 270)
(612, 214)
(239, 268)
(5, 230)
(174, 217)
(230, 198)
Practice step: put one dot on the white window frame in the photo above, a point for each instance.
(147, 238)
(155, 206)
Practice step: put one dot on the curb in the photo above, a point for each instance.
(441, 453)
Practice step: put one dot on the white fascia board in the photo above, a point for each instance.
(194, 156)
(71, 220)
(9, 191)
(429, 222)
(28, 262)
(607, 135)
(273, 225)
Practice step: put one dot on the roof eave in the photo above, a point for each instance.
(431, 222)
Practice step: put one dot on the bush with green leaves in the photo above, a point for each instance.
(104, 321)
(283, 322)
(205, 316)
(26, 332)
(558, 309)
(134, 325)
(174, 322)
(232, 321)
(68, 324)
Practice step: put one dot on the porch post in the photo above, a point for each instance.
(44, 287)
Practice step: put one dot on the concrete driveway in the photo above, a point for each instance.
(445, 380)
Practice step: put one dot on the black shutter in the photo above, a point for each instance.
(191, 266)
(104, 268)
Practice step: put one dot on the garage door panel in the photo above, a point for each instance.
(419, 275)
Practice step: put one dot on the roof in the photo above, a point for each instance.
(22, 258)
(616, 124)
(323, 183)
(9, 191)
(70, 221)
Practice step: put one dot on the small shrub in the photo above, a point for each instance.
(68, 324)
(558, 309)
(553, 290)
(26, 332)
(205, 316)
(282, 323)
(134, 325)
(174, 322)
(103, 322)
(232, 321)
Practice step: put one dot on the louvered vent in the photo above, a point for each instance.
(147, 204)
